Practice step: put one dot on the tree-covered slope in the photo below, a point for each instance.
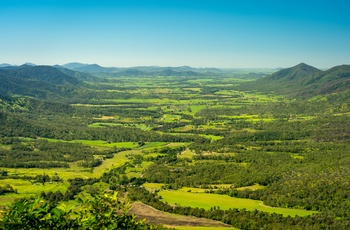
(293, 73)
(47, 74)
(333, 80)
(37, 81)
(303, 81)
(76, 74)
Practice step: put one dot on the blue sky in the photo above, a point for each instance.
(205, 33)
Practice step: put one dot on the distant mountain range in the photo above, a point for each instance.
(142, 70)
(180, 71)
(304, 80)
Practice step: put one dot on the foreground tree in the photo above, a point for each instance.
(98, 212)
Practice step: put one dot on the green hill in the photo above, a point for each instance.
(303, 80)
(336, 79)
(294, 73)
(37, 81)
(47, 74)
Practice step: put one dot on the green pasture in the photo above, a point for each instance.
(25, 188)
(196, 190)
(143, 100)
(137, 170)
(186, 154)
(229, 93)
(99, 143)
(177, 144)
(153, 145)
(301, 118)
(153, 185)
(203, 190)
(206, 201)
(296, 156)
(250, 118)
(258, 97)
(5, 147)
(252, 187)
(103, 125)
(193, 108)
(106, 124)
(183, 128)
(170, 118)
(212, 137)
(193, 89)
(74, 170)
(65, 173)
(217, 126)
(118, 160)
(341, 114)
(208, 136)
(201, 80)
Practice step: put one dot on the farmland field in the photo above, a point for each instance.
(207, 201)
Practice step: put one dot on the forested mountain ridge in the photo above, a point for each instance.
(37, 81)
(88, 67)
(336, 79)
(47, 74)
(76, 74)
(293, 73)
(303, 80)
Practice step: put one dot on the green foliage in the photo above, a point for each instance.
(98, 212)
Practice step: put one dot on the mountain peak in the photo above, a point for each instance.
(84, 67)
(29, 63)
(306, 67)
(293, 73)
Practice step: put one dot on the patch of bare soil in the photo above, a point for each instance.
(154, 216)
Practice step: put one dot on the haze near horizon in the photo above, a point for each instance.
(223, 34)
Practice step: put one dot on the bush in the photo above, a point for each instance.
(97, 212)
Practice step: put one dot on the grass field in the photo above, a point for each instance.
(153, 186)
(252, 187)
(26, 188)
(206, 201)
(212, 137)
(99, 143)
(118, 160)
(186, 154)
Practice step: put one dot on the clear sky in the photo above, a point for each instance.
(203, 33)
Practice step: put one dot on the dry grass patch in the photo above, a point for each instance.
(105, 118)
(252, 187)
(154, 216)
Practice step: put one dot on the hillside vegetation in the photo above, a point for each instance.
(304, 81)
